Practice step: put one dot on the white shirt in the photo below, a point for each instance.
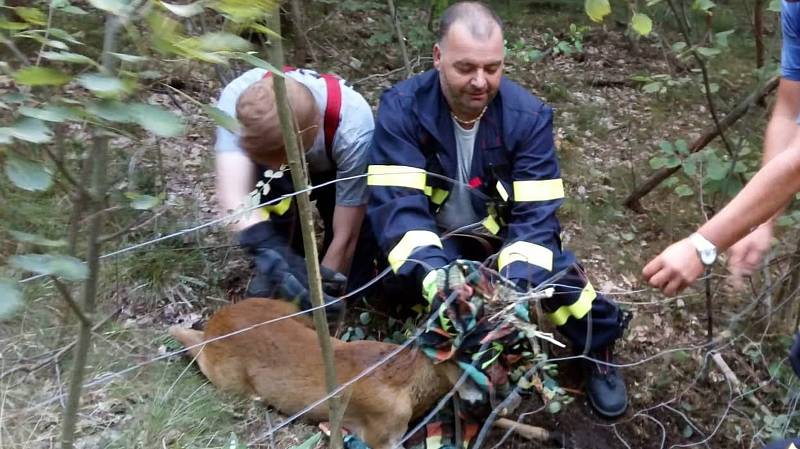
(457, 210)
(350, 143)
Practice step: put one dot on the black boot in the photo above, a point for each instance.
(605, 386)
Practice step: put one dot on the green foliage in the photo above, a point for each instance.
(711, 168)
(65, 267)
(67, 84)
(522, 51)
(104, 85)
(703, 5)
(157, 120)
(41, 76)
(10, 298)
(143, 202)
(28, 175)
(354, 333)
(597, 10)
(641, 24)
(568, 44)
(34, 239)
(661, 84)
(65, 56)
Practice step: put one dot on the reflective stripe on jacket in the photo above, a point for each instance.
(514, 174)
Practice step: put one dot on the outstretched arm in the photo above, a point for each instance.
(235, 181)
(346, 226)
(769, 190)
(746, 255)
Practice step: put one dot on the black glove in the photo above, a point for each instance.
(333, 282)
(271, 252)
(794, 354)
(292, 290)
(261, 241)
(274, 258)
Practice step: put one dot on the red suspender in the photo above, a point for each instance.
(333, 107)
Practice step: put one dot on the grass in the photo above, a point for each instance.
(168, 402)
(172, 404)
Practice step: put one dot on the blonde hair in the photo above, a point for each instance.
(261, 135)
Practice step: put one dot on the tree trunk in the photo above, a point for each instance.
(96, 203)
(303, 52)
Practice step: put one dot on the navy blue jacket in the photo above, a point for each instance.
(514, 174)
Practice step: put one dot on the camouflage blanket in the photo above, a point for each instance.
(495, 355)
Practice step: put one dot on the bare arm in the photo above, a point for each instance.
(235, 181)
(346, 226)
(782, 128)
(765, 195)
(745, 256)
(756, 206)
(769, 190)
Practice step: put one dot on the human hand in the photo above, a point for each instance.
(434, 282)
(444, 280)
(746, 255)
(294, 291)
(333, 282)
(675, 268)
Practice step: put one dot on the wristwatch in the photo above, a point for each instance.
(705, 249)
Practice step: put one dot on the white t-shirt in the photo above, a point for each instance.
(457, 211)
(350, 144)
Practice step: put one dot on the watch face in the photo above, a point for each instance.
(708, 256)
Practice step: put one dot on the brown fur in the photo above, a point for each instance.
(282, 364)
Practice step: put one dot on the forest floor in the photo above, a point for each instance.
(608, 129)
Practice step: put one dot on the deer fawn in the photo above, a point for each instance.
(281, 363)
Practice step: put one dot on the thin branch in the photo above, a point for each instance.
(303, 48)
(683, 23)
(737, 385)
(13, 47)
(63, 171)
(46, 32)
(401, 40)
(524, 430)
(132, 226)
(67, 297)
(758, 32)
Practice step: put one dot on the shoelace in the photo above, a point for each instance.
(604, 356)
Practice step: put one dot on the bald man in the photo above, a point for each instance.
(462, 152)
(336, 149)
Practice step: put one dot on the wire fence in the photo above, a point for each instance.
(727, 339)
